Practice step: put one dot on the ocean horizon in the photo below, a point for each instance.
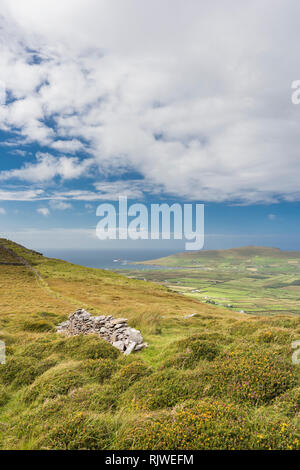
(107, 259)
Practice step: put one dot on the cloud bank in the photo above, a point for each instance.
(194, 97)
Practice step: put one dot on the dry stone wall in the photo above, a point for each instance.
(114, 330)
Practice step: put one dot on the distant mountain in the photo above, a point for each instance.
(243, 253)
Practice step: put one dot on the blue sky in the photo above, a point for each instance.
(192, 104)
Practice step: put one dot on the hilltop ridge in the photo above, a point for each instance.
(17, 247)
(237, 253)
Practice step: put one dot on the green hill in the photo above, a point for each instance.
(214, 380)
(256, 280)
(237, 255)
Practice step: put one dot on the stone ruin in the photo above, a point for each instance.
(114, 330)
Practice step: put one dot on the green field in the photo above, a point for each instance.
(256, 280)
(212, 378)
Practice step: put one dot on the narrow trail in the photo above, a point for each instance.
(42, 283)
(21, 260)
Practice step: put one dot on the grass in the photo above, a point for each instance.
(217, 380)
(257, 280)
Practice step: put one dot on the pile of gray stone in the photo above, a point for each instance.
(114, 330)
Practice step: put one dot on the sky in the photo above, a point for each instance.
(162, 101)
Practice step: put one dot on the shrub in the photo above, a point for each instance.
(98, 369)
(289, 402)
(193, 350)
(57, 381)
(214, 337)
(93, 397)
(100, 398)
(208, 425)
(20, 371)
(254, 377)
(274, 335)
(4, 397)
(243, 328)
(79, 432)
(37, 326)
(42, 347)
(130, 373)
(163, 389)
(201, 425)
(86, 347)
(108, 398)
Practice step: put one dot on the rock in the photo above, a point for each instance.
(130, 348)
(191, 315)
(63, 326)
(133, 335)
(140, 346)
(119, 345)
(101, 318)
(119, 320)
(115, 337)
(114, 330)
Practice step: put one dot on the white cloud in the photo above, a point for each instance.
(48, 167)
(26, 195)
(43, 211)
(60, 205)
(196, 98)
(133, 189)
(79, 195)
(2, 211)
(67, 146)
(271, 216)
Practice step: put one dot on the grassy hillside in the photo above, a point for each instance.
(217, 380)
(257, 280)
(236, 256)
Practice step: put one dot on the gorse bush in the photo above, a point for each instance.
(94, 397)
(200, 347)
(58, 380)
(194, 350)
(19, 371)
(86, 347)
(79, 432)
(98, 369)
(251, 377)
(37, 326)
(163, 390)
(289, 402)
(209, 425)
(130, 373)
(4, 396)
(274, 335)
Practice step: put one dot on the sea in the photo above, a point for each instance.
(113, 260)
